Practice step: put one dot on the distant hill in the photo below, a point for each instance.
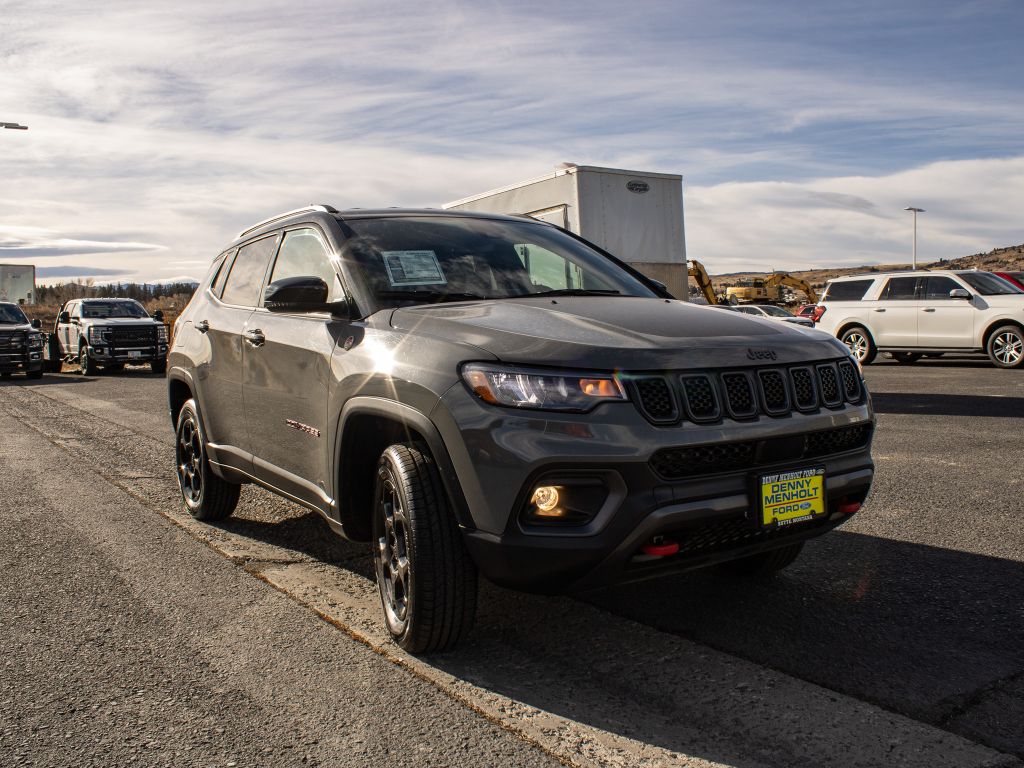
(1009, 259)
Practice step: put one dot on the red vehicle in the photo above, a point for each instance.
(810, 311)
(1017, 278)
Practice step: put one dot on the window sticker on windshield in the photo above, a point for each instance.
(413, 268)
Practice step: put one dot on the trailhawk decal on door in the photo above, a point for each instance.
(302, 427)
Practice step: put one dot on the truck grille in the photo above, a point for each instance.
(132, 335)
(13, 346)
(695, 460)
(748, 394)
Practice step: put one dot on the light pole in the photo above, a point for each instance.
(915, 211)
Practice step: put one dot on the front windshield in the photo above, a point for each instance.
(776, 311)
(988, 284)
(434, 258)
(11, 314)
(107, 309)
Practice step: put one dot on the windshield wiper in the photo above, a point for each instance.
(429, 297)
(571, 292)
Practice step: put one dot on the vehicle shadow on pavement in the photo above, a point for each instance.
(927, 632)
(947, 405)
(48, 379)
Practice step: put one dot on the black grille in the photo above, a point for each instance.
(691, 461)
(803, 389)
(12, 341)
(656, 399)
(851, 381)
(701, 404)
(773, 388)
(139, 335)
(837, 440)
(828, 381)
(739, 396)
(688, 461)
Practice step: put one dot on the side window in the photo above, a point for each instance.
(848, 290)
(76, 309)
(899, 289)
(938, 287)
(749, 310)
(246, 277)
(222, 275)
(303, 254)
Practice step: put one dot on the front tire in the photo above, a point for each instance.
(36, 374)
(85, 363)
(1006, 347)
(159, 366)
(860, 343)
(426, 579)
(766, 563)
(207, 496)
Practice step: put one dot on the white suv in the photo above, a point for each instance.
(911, 314)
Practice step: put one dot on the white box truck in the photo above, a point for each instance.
(18, 283)
(636, 216)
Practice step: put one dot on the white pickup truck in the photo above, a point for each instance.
(110, 333)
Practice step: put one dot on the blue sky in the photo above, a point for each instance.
(801, 129)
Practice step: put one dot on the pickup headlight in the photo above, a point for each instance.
(35, 341)
(97, 334)
(541, 389)
(161, 333)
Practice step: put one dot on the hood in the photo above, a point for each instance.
(617, 332)
(120, 321)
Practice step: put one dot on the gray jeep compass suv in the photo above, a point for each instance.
(487, 393)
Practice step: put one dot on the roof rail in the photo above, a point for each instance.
(323, 208)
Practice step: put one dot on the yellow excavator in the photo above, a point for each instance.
(768, 290)
(700, 276)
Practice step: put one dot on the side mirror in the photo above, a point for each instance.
(159, 315)
(960, 293)
(36, 324)
(64, 317)
(297, 294)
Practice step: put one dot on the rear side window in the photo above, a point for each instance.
(246, 277)
(222, 275)
(847, 290)
(900, 289)
(938, 287)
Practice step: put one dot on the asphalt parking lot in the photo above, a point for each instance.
(898, 639)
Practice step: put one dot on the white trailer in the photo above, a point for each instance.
(636, 216)
(18, 283)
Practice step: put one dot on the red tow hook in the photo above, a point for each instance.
(659, 546)
(848, 507)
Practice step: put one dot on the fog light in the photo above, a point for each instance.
(545, 499)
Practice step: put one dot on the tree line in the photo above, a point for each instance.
(141, 292)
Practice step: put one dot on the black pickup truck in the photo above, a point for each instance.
(21, 343)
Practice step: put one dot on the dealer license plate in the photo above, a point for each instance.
(792, 497)
(134, 353)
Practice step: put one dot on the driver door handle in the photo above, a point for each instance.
(928, 309)
(255, 337)
(879, 310)
(203, 326)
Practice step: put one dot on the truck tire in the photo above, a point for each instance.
(85, 363)
(906, 358)
(159, 366)
(207, 496)
(860, 343)
(36, 374)
(766, 563)
(1006, 346)
(426, 579)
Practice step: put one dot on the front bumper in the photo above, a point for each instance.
(103, 353)
(24, 360)
(501, 455)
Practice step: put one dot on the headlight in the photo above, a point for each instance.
(161, 333)
(35, 341)
(97, 334)
(541, 389)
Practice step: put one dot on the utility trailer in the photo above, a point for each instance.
(634, 215)
(18, 283)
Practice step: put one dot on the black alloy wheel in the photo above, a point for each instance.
(207, 496)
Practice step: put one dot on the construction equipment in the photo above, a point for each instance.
(768, 290)
(700, 276)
